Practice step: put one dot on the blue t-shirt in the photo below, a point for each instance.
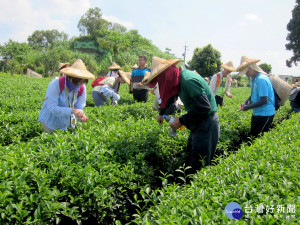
(261, 87)
(138, 74)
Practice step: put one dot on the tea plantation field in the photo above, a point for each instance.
(121, 167)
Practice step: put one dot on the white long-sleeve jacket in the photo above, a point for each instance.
(216, 81)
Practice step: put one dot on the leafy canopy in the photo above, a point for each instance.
(206, 61)
(293, 36)
(92, 22)
(44, 38)
(266, 67)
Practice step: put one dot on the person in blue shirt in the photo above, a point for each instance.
(65, 99)
(262, 99)
(140, 91)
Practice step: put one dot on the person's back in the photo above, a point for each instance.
(194, 84)
(262, 86)
(295, 99)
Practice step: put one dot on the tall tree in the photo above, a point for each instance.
(92, 21)
(118, 27)
(13, 49)
(294, 35)
(44, 38)
(206, 61)
(266, 67)
(15, 54)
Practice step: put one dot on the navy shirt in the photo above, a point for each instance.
(137, 76)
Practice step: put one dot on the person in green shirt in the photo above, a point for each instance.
(199, 102)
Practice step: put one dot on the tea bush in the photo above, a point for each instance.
(265, 173)
(103, 170)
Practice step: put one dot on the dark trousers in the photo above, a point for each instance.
(260, 124)
(202, 143)
(219, 100)
(295, 106)
(140, 95)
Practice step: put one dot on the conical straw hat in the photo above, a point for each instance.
(297, 84)
(228, 66)
(158, 66)
(135, 66)
(78, 70)
(147, 75)
(114, 66)
(245, 61)
(61, 65)
(282, 88)
(126, 76)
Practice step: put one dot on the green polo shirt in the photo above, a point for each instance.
(191, 85)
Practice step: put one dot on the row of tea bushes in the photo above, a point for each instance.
(98, 171)
(265, 173)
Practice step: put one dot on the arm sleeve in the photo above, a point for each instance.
(81, 100)
(248, 101)
(200, 111)
(109, 92)
(213, 84)
(260, 102)
(228, 85)
(52, 99)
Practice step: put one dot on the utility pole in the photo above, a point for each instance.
(184, 54)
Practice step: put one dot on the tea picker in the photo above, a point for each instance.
(65, 98)
(220, 83)
(199, 102)
(262, 100)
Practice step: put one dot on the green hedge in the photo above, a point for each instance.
(267, 173)
(101, 170)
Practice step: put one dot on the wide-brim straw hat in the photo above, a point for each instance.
(244, 65)
(282, 88)
(146, 76)
(229, 66)
(135, 66)
(114, 66)
(245, 62)
(252, 66)
(297, 84)
(78, 69)
(61, 65)
(158, 66)
(126, 76)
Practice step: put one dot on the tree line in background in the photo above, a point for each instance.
(44, 49)
(100, 43)
(293, 36)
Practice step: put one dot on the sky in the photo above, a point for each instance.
(254, 28)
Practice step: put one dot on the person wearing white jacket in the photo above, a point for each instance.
(222, 80)
(65, 99)
(109, 88)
